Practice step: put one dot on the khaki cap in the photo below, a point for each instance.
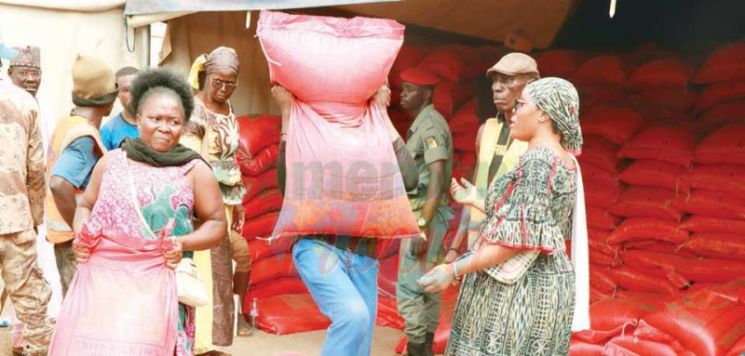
(513, 64)
(93, 82)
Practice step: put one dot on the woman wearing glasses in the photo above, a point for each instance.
(213, 132)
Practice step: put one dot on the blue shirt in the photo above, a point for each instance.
(116, 130)
(76, 162)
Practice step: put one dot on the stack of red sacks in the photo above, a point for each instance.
(282, 299)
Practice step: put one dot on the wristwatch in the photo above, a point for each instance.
(422, 222)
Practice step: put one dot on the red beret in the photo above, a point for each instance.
(419, 76)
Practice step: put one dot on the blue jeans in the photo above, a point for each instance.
(344, 285)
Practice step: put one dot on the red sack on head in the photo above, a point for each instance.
(599, 152)
(559, 62)
(265, 202)
(259, 132)
(665, 72)
(618, 124)
(698, 223)
(635, 229)
(652, 173)
(604, 69)
(666, 144)
(726, 63)
(448, 96)
(715, 204)
(724, 146)
(717, 245)
(601, 219)
(718, 93)
(256, 185)
(722, 178)
(649, 202)
(732, 111)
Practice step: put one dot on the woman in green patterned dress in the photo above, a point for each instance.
(530, 208)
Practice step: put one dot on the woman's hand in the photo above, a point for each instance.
(464, 192)
(173, 257)
(283, 97)
(451, 256)
(238, 218)
(382, 97)
(80, 252)
(437, 279)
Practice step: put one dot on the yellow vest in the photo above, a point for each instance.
(68, 130)
(488, 147)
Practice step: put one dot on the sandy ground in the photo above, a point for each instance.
(261, 343)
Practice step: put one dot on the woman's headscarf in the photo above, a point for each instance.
(221, 58)
(560, 101)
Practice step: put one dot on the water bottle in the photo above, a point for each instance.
(253, 313)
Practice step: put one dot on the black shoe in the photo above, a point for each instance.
(414, 349)
(429, 344)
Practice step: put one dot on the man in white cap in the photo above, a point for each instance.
(22, 190)
(497, 151)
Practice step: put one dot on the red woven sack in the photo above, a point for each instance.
(649, 202)
(272, 268)
(289, 314)
(601, 196)
(259, 132)
(601, 259)
(260, 249)
(617, 124)
(448, 96)
(718, 93)
(738, 349)
(726, 63)
(599, 152)
(601, 70)
(592, 97)
(594, 175)
(255, 165)
(261, 226)
(635, 229)
(601, 219)
(724, 146)
(717, 245)
(445, 63)
(647, 332)
(465, 119)
(706, 224)
(732, 111)
(704, 270)
(715, 204)
(665, 72)
(256, 185)
(652, 173)
(705, 322)
(600, 279)
(579, 348)
(631, 346)
(658, 246)
(639, 281)
(265, 202)
(597, 235)
(677, 99)
(559, 62)
(728, 178)
(666, 144)
(465, 141)
(281, 286)
(611, 314)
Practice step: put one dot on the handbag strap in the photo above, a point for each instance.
(135, 202)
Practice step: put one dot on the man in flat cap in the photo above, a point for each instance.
(74, 149)
(22, 190)
(497, 151)
(431, 144)
(25, 69)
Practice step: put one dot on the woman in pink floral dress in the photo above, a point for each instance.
(131, 226)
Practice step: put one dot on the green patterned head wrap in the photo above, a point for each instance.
(559, 100)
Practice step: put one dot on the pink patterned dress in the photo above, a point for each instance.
(123, 301)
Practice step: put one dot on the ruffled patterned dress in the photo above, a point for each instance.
(529, 207)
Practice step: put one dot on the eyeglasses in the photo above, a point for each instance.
(219, 84)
